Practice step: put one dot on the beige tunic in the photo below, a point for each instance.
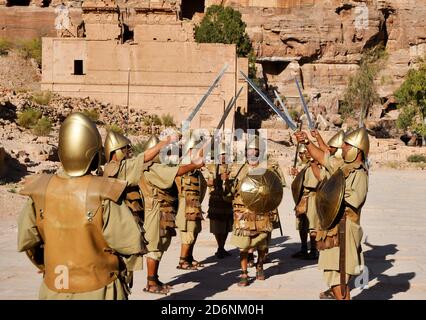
(162, 176)
(130, 170)
(355, 194)
(120, 230)
(311, 182)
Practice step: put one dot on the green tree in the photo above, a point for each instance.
(224, 25)
(411, 98)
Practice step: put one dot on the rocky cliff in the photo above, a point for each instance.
(322, 41)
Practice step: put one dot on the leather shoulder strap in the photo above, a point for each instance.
(35, 183)
(111, 169)
(108, 188)
(35, 187)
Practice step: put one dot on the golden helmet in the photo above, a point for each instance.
(253, 143)
(358, 139)
(301, 148)
(152, 142)
(79, 143)
(336, 141)
(113, 142)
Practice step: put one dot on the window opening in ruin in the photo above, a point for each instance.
(274, 67)
(190, 7)
(127, 34)
(11, 3)
(46, 3)
(78, 67)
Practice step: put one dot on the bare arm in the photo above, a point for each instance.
(151, 153)
(322, 145)
(315, 152)
(316, 170)
(187, 168)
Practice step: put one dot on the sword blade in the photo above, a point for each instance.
(305, 107)
(284, 108)
(204, 98)
(270, 104)
(230, 105)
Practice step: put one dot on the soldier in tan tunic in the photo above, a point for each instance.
(117, 150)
(77, 223)
(160, 206)
(191, 187)
(332, 241)
(220, 207)
(251, 229)
(306, 214)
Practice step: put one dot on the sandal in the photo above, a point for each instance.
(260, 274)
(327, 295)
(244, 281)
(194, 262)
(185, 265)
(164, 285)
(155, 288)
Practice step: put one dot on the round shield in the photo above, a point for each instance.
(263, 192)
(297, 186)
(329, 199)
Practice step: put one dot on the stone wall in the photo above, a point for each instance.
(31, 22)
(163, 78)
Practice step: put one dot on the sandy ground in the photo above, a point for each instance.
(394, 222)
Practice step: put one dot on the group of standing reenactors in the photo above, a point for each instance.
(88, 227)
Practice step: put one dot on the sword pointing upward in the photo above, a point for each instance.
(305, 107)
(284, 108)
(228, 108)
(270, 104)
(203, 99)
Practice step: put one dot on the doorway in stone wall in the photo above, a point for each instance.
(190, 7)
(22, 3)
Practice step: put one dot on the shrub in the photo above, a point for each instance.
(114, 128)
(5, 47)
(152, 120)
(42, 97)
(294, 114)
(167, 120)
(28, 118)
(411, 98)
(92, 114)
(42, 127)
(417, 158)
(31, 49)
